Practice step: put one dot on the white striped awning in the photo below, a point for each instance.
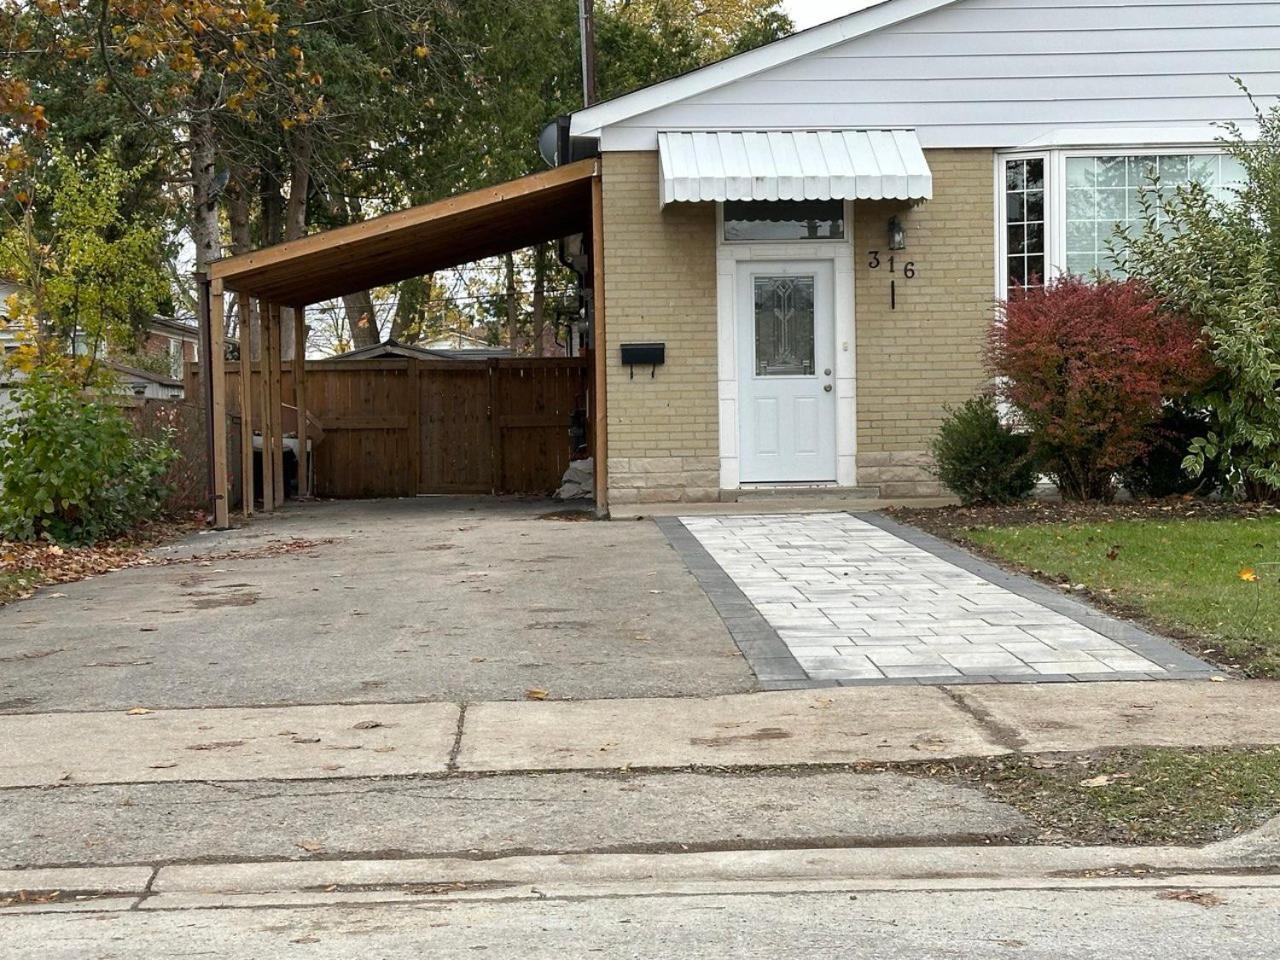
(793, 165)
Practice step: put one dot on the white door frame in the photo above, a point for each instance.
(840, 254)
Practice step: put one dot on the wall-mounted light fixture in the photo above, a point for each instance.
(897, 234)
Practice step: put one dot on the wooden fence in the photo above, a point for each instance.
(398, 427)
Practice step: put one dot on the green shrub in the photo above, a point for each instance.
(979, 458)
(71, 469)
(1161, 471)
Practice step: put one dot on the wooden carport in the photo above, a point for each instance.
(541, 207)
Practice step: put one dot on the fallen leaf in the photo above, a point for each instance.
(309, 938)
(1217, 679)
(1202, 898)
(138, 712)
(1104, 779)
(384, 749)
(216, 745)
(368, 725)
(311, 846)
(535, 694)
(164, 765)
(306, 739)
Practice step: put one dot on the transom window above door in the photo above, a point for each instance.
(780, 220)
(1059, 210)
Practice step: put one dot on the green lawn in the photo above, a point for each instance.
(1182, 574)
(1135, 795)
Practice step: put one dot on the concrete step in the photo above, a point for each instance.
(790, 492)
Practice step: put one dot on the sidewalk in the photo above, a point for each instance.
(789, 728)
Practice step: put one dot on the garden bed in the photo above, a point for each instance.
(1136, 795)
(25, 567)
(1206, 574)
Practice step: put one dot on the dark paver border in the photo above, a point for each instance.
(1178, 663)
(768, 656)
(776, 668)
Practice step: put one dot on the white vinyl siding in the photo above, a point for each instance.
(1001, 73)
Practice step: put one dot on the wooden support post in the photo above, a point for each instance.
(495, 430)
(246, 404)
(300, 395)
(264, 392)
(600, 412)
(415, 422)
(218, 380)
(277, 406)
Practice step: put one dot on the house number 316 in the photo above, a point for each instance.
(908, 268)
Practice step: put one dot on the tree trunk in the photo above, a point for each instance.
(295, 223)
(539, 298)
(241, 235)
(361, 322)
(204, 202)
(512, 306)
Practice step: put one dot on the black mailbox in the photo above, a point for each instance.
(651, 355)
(644, 354)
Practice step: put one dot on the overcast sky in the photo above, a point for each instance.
(807, 13)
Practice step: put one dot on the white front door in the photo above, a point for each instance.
(786, 367)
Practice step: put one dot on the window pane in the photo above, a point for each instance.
(1035, 238)
(1081, 204)
(1015, 207)
(1017, 271)
(1035, 205)
(1017, 235)
(1081, 264)
(1015, 175)
(1079, 172)
(784, 326)
(1035, 270)
(784, 220)
(1173, 169)
(1111, 171)
(1035, 174)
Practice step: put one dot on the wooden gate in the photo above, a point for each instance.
(397, 427)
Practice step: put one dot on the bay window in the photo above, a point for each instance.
(1086, 195)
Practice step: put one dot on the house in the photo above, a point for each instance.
(825, 221)
(790, 258)
(394, 348)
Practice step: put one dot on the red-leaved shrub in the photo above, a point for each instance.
(1089, 366)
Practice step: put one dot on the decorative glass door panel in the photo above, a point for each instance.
(784, 326)
(786, 352)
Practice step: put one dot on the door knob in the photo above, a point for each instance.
(827, 388)
(826, 373)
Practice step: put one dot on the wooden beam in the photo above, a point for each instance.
(275, 376)
(600, 413)
(231, 269)
(300, 395)
(246, 404)
(218, 381)
(264, 392)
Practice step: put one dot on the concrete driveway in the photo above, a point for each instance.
(382, 601)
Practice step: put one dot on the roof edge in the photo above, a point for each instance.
(590, 121)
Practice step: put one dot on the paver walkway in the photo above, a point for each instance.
(852, 601)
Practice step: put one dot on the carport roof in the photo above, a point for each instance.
(543, 206)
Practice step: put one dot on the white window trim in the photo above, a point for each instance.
(840, 254)
(1055, 173)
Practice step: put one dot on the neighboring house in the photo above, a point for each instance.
(176, 340)
(817, 229)
(394, 348)
(173, 342)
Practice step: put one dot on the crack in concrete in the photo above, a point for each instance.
(452, 765)
(1005, 735)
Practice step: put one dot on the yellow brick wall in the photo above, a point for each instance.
(927, 353)
(660, 285)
